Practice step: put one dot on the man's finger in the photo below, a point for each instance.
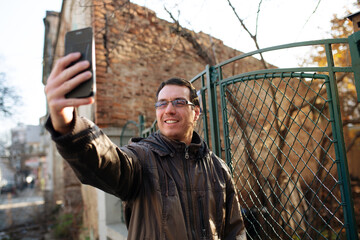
(63, 62)
(71, 84)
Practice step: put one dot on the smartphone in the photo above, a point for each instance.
(82, 41)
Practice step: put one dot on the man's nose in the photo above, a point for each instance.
(170, 108)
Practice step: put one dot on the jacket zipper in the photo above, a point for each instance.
(202, 219)
(187, 181)
(187, 153)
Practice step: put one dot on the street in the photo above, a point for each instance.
(22, 215)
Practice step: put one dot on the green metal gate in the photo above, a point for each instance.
(281, 133)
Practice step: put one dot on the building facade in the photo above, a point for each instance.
(135, 51)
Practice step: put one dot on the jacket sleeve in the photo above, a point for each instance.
(97, 161)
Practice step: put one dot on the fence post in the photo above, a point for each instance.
(212, 76)
(226, 134)
(340, 151)
(354, 45)
(141, 124)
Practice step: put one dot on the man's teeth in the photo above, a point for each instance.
(170, 121)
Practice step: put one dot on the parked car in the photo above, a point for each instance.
(7, 186)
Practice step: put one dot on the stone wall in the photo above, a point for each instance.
(135, 51)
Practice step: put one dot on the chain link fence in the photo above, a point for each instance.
(281, 133)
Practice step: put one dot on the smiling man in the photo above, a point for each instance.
(176, 115)
(173, 186)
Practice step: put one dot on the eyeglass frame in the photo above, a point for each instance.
(174, 103)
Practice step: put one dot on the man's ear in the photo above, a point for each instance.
(197, 113)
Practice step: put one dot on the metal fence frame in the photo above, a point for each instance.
(212, 86)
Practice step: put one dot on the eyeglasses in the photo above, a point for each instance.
(178, 103)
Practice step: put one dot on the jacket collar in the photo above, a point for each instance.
(163, 146)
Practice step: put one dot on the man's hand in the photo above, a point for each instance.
(61, 81)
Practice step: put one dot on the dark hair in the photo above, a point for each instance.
(181, 82)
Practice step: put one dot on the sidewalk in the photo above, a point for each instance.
(22, 215)
(23, 198)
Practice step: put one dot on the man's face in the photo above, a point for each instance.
(176, 123)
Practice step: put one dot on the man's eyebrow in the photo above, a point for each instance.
(178, 98)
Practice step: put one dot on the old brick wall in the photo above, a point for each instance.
(135, 51)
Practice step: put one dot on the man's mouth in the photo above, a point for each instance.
(170, 121)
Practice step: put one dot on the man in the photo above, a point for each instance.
(174, 187)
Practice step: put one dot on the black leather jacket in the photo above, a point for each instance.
(172, 191)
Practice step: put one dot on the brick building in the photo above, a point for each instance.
(135, 51)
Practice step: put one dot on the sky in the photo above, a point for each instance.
(21, 52)
(279, 22)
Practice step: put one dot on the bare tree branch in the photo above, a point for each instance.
(307, 20)
(8, 97)
(352, 143)
(191, 39)
(257, 17)
(253, 37)
(357, 135)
